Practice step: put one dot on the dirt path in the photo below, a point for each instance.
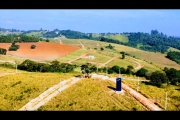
(142, 99)
(139, 65)
(81, 44)
(108, 61)
(60, 42)
(46, 96)
(84, 54)
(4, 74)
(97, 44)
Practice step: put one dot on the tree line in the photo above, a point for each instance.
(157, 78)
(19, 38)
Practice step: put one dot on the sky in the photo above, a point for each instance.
(166, 21)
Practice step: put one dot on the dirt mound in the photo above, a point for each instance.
(43, 50)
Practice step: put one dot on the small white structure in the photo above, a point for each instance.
(91, 56)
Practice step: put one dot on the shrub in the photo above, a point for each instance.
(33, 46)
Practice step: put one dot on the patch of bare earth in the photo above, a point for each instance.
(42, 52)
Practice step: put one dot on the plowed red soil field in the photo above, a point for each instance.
(43, 51)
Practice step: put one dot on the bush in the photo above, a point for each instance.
(13, 48)
(33, 46)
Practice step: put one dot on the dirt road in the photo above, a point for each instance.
(81, 44)
(142, 99)
(46, 96)
(84, 54)
(53, 91)
(108, 61)
(139, 65)
(60, 42)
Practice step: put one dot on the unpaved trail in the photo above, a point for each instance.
(142, 99)
(97, 44)
(53, 91)
(60, 42)
(139, 65)
(84, 54)
(108, 61)
(46, 96)
(4, 74)
(81, 44)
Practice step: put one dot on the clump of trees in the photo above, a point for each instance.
(157, 78)
(174, 56)
(13, 47)
(3, 51)
(54, 66)
(110, 46)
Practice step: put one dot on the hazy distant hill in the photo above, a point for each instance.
(154, 42)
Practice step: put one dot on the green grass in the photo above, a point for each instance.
(73, 42)
(121, 62)
(118, 37)
(173, 49)
(157, 59)
(72, 55)
(96, 35)
(151, 60)
(37, 34)
(6, 33)
(98, 59)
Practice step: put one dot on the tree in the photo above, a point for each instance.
(141, 72)
(33, 46)
(129, 69)
(102, 48)
(157, 78)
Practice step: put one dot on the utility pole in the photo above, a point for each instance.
(106, 70)
(166, 101)
(16, 67)
(119, 72)
(60, 85)
(138, 84)
(97, 70)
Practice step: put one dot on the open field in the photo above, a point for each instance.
(44, 50)
(118, 37)
(157, 59)
(158, 95)
(92, 94)
(88, 94)
(152, 61)
(173, 49)
(11, 58)
(18, 89)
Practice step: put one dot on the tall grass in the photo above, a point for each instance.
(18, 89)
(159, 94)
(92, 95)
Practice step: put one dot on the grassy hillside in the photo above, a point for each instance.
(93, 94)
(18, 89)
(9, 33)
(121, 38)
(37, 34)
(173, 49)
(159, 94)
(151, 60)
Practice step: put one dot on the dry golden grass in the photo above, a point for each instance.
(92, 94)
(159, 94)
(11, 58)
(157, 59)
(18, 89)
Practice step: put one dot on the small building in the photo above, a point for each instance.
(91, 56)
